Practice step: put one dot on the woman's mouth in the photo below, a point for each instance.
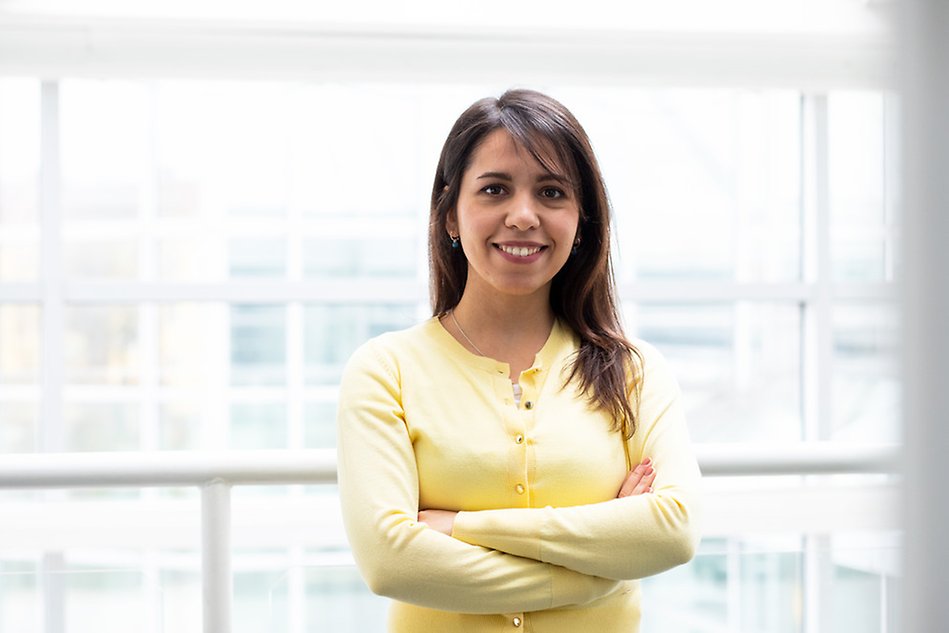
(519, 251)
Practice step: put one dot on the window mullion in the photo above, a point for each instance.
(50, 428)
(817, 342)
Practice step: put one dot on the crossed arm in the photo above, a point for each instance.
(506, 560)
(638, 481)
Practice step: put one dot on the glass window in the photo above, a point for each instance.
(258, 344)
(101, 426)
(183, 426)
(19, 178)
(327, 184)
(105, 148)
(333, 332)
(258, 426)
(739, 151)
(258, 258)
(320, 420)
(866, 387)
(19, 344)
(192, 344)
(19, 594)
(92, 591)
(102, 344)
(95, 259)
(360, 257)
(862, 220)
(18, 433)
(738, 365)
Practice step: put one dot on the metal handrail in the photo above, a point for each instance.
(216, 472)
(197, 468)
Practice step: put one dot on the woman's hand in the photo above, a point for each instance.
(440, 520)
(638, 481)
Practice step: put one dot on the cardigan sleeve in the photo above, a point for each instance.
(624, 538)
(402, 558)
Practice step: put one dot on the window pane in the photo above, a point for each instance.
(258, 345)
(192, 340)
(258, 426)
(182, 426)
(18, 430)
(102, 345)
(101, 259)
(19, 344)
(320, 421)
(20, 598)
(181, 598)
(192, 259)
(360, 156)
(19, 179)
(19, 152)
(101, 426)
(758, 583)
(333, 332)
(258, 258)
(862, 230)
(866, 387)
(704, 183)
(92, 591)
(105, 149)
(337, 600)
(738, 366)
(199, 124)
(394, 256)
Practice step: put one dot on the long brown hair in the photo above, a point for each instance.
(582, 293)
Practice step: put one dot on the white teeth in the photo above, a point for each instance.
(519, 251)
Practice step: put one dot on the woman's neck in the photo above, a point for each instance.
(511, 329)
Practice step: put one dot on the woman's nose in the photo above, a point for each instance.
(522, 214)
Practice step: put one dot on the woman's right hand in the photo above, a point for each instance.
(638, 481)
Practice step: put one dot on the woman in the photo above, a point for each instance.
(486, 456)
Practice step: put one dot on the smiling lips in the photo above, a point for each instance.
(519, 251)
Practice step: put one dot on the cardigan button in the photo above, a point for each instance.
(519, 439)
(516, 621)
(519, 488)
(528, 405)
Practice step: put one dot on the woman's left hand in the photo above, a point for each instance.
(440, 520)
(639, 480)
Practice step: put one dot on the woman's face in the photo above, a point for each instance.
(517, 221)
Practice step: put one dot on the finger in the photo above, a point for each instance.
(634, 478)
(638, 484)
(645, 484)
(629, 484)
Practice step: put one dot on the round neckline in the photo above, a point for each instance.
(487, 363)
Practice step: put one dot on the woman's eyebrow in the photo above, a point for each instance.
(500, 175)
(495, 175)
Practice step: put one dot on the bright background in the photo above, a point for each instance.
(205, 208)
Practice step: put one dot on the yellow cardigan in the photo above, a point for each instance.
(540, 542)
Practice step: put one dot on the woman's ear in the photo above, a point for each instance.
(451, 224)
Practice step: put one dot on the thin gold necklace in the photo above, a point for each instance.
(460, 329)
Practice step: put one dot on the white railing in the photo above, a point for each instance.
(215, 473)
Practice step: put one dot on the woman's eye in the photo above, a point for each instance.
(493, 190)
(552, 193)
